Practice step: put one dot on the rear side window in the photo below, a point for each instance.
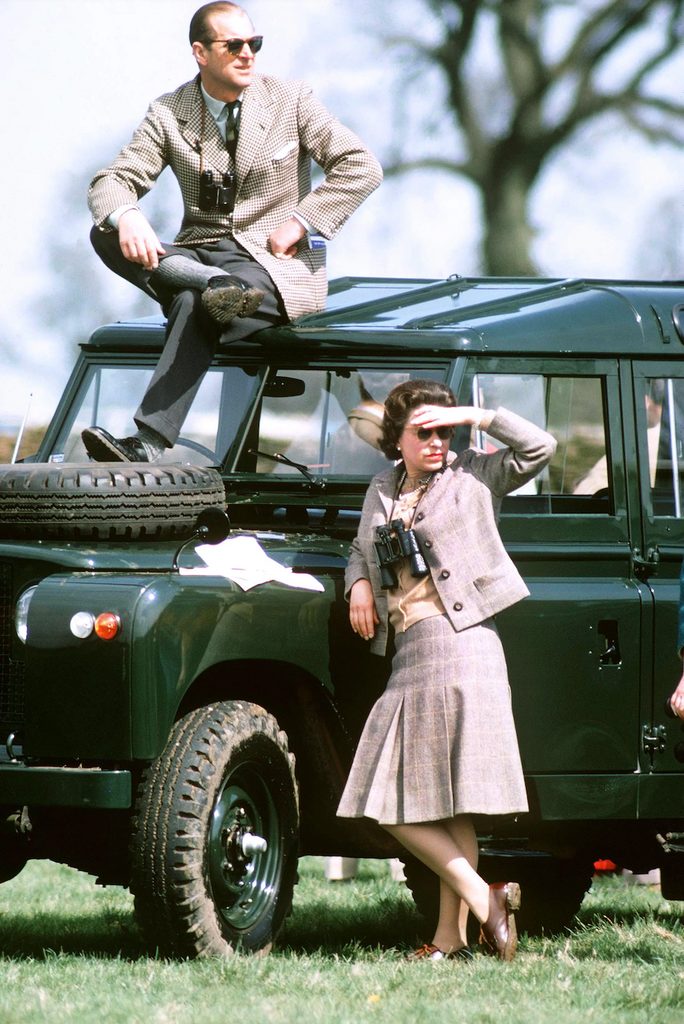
(577, 480)
(664, 424)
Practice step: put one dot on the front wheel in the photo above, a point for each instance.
(215, 835)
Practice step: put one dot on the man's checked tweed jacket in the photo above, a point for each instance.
(456, 526)
(282, 126)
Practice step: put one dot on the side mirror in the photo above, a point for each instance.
(211, 527)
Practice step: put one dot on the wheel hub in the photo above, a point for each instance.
(241, 845)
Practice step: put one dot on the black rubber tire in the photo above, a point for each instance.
(552, 889)
(13, 857)
(217, 758)
(105, 500)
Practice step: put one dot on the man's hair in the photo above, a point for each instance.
(199, 26)
(401, 401)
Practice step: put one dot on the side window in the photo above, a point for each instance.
(664, 427)
(577, 480)
(327, 421)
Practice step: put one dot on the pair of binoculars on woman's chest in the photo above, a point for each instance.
(394, 542)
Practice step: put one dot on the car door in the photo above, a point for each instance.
(659, 416)
(573, 646)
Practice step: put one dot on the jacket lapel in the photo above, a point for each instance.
(256, 118)
(190, 115)
(216, 155)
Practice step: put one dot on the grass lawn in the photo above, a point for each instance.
(71, 954)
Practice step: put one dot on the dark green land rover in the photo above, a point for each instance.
(165, 729)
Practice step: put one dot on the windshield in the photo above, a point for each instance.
(109, 396)
(325, 420)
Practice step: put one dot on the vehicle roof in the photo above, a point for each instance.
(512, 315)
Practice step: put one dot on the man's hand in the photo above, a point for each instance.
(283, 241)
(362, 612)
(677, 699)
(138, 241)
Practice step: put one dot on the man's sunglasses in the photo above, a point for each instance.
(423, 434)
(234, 46)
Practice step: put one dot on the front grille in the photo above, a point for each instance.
(11, 672)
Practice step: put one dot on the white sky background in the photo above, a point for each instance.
(76, 77)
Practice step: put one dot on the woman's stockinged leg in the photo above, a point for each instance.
(447, 848)
(453, 911)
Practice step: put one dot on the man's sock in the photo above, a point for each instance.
(180, 272)
(153, 443)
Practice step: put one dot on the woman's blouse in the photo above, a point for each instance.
(412, 599)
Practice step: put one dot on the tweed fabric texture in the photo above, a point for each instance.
(282, 127)
(441, 739)
(457, 526)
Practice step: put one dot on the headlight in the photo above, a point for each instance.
(21, 613)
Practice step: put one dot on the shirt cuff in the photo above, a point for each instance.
(305, 224)
(113, 218)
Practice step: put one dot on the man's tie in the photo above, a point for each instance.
(232, 126)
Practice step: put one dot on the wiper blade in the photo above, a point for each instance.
(315, 482)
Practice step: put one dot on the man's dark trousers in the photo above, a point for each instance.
(191, 335)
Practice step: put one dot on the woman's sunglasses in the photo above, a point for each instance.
(423, 434)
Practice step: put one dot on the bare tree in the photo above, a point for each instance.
(509, 112)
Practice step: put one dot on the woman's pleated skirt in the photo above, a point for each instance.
(441, 739)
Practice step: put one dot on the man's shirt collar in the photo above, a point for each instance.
(216, 107)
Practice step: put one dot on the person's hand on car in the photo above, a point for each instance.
(677, 699)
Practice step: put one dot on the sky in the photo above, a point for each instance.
(76, 77)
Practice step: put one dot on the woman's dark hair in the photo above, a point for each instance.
(401, 401)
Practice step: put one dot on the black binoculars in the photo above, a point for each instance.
(392, 543)
(213, 196)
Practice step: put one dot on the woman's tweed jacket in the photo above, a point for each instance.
(456, 526)
(282, 127)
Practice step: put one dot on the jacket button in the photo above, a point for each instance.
(421, 515)
(458, 607)
(427, 543)
(444, 574)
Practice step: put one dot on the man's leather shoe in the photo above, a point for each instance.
(429, 952)
(102, 447)
(498, 934)
(227, 296)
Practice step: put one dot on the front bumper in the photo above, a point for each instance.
(64, 787)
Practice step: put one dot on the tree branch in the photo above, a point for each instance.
(427, 163)
(601, 33)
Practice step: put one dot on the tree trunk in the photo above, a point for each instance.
(508, 235)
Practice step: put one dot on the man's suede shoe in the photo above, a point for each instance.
(227, 296)
(102, 447)
(498, 934)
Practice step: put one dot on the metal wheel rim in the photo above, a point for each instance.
(243, 893)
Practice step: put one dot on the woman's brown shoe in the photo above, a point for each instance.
(498, 934)
(430, 952)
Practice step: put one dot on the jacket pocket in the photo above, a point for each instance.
(500, 588)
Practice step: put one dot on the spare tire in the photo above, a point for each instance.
(105, 500)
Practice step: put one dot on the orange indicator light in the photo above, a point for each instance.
(107, 625)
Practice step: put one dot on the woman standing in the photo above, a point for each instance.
(440, 744)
